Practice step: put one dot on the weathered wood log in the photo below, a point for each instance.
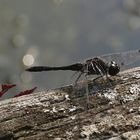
(113, 111)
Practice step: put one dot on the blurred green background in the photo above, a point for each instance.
(61, 32)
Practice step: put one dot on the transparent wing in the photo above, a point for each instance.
(123, 59)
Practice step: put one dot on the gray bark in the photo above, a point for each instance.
(113, 111)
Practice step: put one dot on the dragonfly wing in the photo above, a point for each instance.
(123, 59)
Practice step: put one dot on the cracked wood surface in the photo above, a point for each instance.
(113, 111)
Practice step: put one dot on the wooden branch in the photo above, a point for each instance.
(113, 111)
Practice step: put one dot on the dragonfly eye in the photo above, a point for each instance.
(113, 68)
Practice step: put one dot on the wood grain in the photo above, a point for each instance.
(112, 111)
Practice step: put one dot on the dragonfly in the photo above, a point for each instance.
(104, 65)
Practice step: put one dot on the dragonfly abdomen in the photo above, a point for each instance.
(74, 67)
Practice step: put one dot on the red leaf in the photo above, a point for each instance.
(26, 92)
(5, 88)
(1, 93)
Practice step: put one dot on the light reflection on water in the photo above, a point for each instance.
(60, 33)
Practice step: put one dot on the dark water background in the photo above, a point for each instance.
(61, 32)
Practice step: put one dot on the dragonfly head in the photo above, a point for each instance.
(114, 68)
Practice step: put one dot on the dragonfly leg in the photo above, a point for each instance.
(75, 73)
(78, 77)
(87, 92)
(109, 80)
(97, 78)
